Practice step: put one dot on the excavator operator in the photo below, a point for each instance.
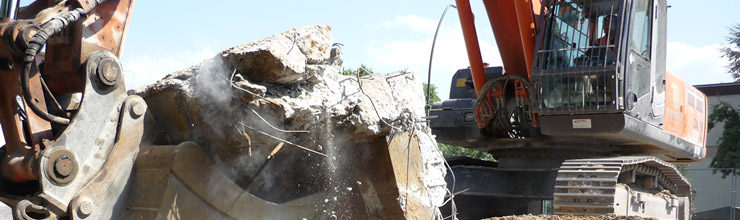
(608, 29)
(601, 49)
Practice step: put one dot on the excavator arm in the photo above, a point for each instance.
(513, 25)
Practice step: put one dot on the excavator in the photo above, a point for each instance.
(583, 114)
(583, 117)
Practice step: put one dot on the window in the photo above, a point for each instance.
(641, 31)
(580, 34)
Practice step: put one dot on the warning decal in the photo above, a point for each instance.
(581, 123)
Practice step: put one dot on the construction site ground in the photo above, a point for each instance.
(567, 217)
(5, 213)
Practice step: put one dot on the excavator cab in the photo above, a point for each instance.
(600, 74)
(596, 56)
(579, 35)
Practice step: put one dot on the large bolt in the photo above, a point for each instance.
(63, 166)
(108, 72)
(138, 109)
(84, 208)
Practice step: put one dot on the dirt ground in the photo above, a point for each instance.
(568, 217)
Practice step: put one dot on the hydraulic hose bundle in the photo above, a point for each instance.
(493, 110)
(48, 29)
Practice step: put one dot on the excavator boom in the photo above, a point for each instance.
(513, 24)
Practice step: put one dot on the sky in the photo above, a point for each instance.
(166, 35)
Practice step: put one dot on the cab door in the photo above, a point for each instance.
(639, 90)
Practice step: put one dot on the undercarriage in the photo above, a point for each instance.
(641, 186)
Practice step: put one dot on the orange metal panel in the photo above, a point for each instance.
(675, 103)
(104, 28)
(471, 43)
(19, 153)
(513, 24)
(682, 119)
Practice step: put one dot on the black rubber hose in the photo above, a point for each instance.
(50, 28)
(431, 56)
(53, 26)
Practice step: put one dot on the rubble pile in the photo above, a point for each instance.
(285, 125)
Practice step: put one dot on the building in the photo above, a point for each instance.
(714, 194)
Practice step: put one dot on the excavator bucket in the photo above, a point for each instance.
(181, 181)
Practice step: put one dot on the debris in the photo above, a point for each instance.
(364, 134)
(274, 151)
(249, 142)
(281, 143)
(249, 91)
(282, 58)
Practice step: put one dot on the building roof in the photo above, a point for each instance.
(719, 89)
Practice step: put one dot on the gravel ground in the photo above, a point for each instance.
(5, 213)
(567, 217)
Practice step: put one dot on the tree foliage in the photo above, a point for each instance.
(728, 154)
(363, 70)
(452, 150)
(432, 92)
(732, 52)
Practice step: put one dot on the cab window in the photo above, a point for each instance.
(642, 29)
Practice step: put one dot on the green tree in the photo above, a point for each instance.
(728, 154)
(363, 70)
(452, 150)
(732, 52)
(432, 92)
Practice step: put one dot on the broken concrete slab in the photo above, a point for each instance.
(339, 132)
(282, 58)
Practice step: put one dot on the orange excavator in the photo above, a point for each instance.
(583, 117)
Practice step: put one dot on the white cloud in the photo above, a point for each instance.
(412, 22)
(697, 64)
(449, 54)
(147, 69)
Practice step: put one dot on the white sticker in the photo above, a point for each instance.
(581, 123)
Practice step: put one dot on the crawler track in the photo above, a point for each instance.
(635, 185)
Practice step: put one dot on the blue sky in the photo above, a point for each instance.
(166, 35)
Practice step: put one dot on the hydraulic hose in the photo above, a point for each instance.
(48, 29)
(431, 56)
